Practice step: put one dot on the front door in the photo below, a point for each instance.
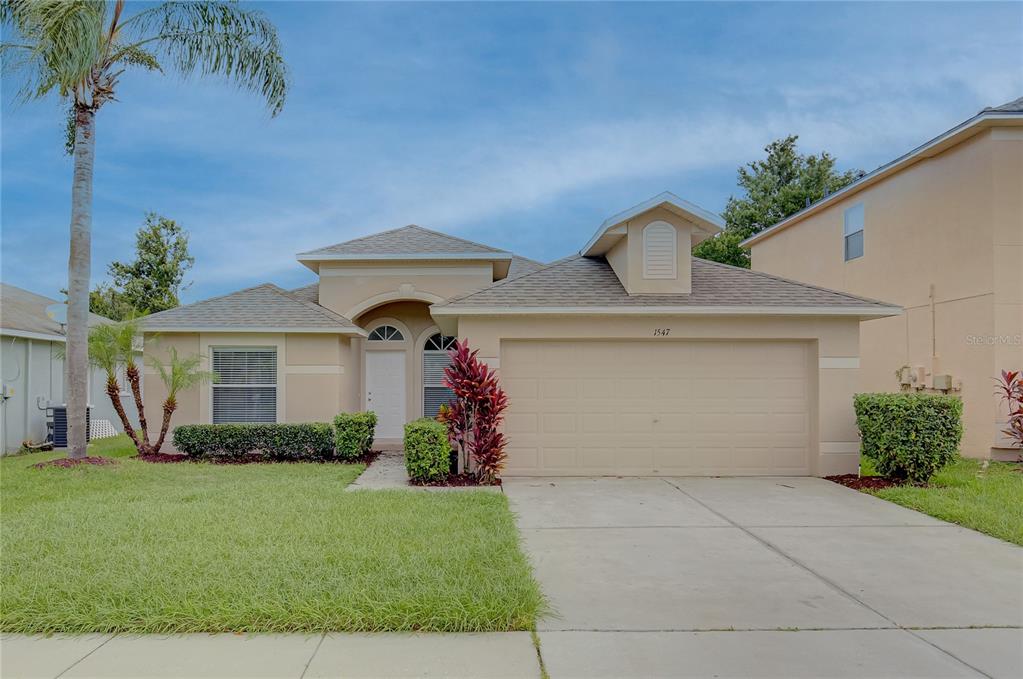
(385, 391)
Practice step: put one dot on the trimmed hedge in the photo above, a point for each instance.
(427, 451)
(909, 436)
(353, 434)
(273, 442)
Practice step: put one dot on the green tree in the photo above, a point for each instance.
(78, 49)
(177, 374)
(775, 188)
(153, 280)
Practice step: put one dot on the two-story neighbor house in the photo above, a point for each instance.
(940, 232)
(629, 357)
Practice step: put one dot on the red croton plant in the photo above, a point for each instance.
(474, 416)
(1010, 388)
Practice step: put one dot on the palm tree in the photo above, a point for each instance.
(111, 345)
(79, 49)
(177, 375)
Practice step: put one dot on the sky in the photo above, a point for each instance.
(522, 126)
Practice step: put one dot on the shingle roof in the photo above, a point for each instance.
(591, 282)
(522, 265)
(25, 311)
(1014, 106)
(408, 240)
(307, 293)
(263, 306)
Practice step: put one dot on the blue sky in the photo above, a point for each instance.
(519, 125)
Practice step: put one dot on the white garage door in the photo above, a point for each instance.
(672, 407)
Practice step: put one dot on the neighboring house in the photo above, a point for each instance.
(940, 232)
(630, 357)
(32, 370)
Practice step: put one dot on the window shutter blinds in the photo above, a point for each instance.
(247, 390)
(435, 359)
(659, 251)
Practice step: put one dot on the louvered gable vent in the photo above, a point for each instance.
(660, 251)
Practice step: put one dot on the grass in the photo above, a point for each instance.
(141, 547)
(985, 496)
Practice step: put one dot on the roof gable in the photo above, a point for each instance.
(262, 308)
(408, 241)
(607, 234)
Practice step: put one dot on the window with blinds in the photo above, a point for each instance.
(435, 359)
(660, 253)
(247, 389)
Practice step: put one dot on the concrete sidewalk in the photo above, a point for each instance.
(233, 656)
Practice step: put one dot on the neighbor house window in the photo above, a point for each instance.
(435, 359)
(247, 387)
(853, 232)
(660, 251)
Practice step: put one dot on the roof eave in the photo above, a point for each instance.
(351, 331)
(929, 149)
(861, 312)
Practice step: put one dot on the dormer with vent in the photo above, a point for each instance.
(649, 246)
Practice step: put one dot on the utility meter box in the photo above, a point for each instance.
(942, 382)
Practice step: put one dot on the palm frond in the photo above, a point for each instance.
(179, 374)
(133, 55)
(214, 38)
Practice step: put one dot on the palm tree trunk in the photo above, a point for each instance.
(114, 392)
(169, 406)
(78, 270)
(135, 379)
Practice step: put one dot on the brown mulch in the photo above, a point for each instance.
(162, 458)
(857, 482)
(455, 480)
(69, 463)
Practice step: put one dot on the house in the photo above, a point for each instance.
(629, 357)
(939, 231)
(32, 370)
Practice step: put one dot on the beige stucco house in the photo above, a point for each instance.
(629, 357)
(940, 232)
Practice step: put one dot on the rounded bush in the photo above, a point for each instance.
(353, 434)
(909, 436)
(427, 451)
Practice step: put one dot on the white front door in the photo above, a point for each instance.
(385, 391)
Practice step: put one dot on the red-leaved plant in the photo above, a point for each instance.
(1010, 389)
(475, 414)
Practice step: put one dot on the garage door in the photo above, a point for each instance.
(668, 407)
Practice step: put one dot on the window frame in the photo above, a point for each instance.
(219, 385)
(854, 223)
(387, 332)
(446, 341)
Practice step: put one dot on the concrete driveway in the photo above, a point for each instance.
(763, 577)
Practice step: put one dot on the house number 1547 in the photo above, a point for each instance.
(662, 332)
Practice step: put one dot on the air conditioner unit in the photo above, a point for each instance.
(56, 425)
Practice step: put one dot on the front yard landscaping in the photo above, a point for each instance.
(196, 547)
(987, 497)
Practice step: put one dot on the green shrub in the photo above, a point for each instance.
(353, 434)
(272, 442)
(427, 451)
(909, 436)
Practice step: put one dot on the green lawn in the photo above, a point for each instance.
(141, 547)
(989, 499)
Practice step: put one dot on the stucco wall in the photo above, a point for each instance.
(834, 442)
(313, 373)
(951, 226)
(351, 289)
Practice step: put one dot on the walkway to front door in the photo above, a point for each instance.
(763, 577)
(385, 391)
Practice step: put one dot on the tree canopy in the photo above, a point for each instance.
(774, 188)
(153, 281)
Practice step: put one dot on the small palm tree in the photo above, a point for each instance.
(111, 345)
(179, 374)
(79, 49)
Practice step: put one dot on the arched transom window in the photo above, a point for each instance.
(386, 333)
(435, 359)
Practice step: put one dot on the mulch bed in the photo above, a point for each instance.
(455, 480)
(857, 482)
(68, 463)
